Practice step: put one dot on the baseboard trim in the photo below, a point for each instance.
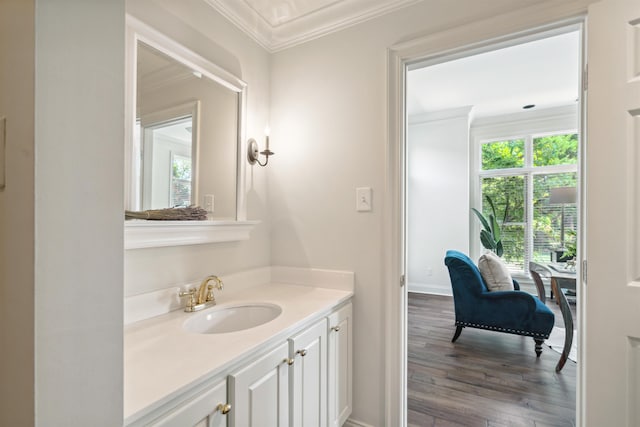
(424, 288)
(354, 423)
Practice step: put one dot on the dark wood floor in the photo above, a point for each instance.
(484, 379)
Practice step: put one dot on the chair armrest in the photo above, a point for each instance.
(510, 297)
(516, 285)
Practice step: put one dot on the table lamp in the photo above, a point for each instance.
(562, 196)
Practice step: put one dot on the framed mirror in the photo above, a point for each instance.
(184, 139)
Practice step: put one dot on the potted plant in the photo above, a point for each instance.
(491, 233)
(569, 251)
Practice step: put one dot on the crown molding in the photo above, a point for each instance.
(333, 17)
(432, 116)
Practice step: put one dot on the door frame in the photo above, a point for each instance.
(500, 31)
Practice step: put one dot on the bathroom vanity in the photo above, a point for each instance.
(276, 349)
(292, 370)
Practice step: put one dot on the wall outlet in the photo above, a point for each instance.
(208, 202)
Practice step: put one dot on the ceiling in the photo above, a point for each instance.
(543, 72)
(279, 24)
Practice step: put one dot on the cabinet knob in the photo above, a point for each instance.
(290, 361)
(302, 352)
(224, 408)
(336, 328)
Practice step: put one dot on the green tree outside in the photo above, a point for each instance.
(510, 154)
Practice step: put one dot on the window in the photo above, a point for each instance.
(180, 190)
(521, 175)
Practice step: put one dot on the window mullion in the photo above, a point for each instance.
(528, 232)
(528, 253)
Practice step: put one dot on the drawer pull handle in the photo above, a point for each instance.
(224, 408)
(302, 352)
(290, 361)
(336, 328)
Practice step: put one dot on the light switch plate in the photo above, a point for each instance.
(363, 199)
(3, 134)
(209, 203)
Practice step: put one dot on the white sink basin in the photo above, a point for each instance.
(219, 320)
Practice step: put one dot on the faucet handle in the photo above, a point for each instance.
(188, 292)
(191, 293)
(210, 296)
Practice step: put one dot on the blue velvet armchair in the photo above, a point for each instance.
(513, 312)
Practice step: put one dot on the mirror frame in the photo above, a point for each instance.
(146, 234)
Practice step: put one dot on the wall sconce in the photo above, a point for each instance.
(253, 151)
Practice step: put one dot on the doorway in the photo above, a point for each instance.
(516, 149)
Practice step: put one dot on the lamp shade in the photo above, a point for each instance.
(562, 195)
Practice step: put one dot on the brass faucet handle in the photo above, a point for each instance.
(188, 292)
(191, 293)
(210, 296)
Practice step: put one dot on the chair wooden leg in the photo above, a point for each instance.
(568, 325)
(538, 346)
(457, 334)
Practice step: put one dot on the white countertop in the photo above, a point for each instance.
(162, 360)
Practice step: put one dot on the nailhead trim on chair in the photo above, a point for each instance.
(497, 328)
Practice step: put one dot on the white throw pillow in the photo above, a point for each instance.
(495, 273)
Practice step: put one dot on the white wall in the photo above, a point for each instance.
(61, 275)
(329, 115)
(79, 110)
(197, 26)
(437, 197)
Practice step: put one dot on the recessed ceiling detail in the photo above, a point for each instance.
(279, 24)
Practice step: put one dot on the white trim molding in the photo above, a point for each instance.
(450, 113)
(355, 423)
(429, 288)
(330, 279)
(479, 36)
(278, 33)
(153, 234)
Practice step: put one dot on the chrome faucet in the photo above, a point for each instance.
(203, 296)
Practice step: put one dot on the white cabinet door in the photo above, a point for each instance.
(308, 381)
(207, 410)
(339, 366)
(259, 393)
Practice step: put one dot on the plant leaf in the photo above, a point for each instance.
(482, 219)
(495, 227)
(487, 240)
(499, 248)
(493, 208)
